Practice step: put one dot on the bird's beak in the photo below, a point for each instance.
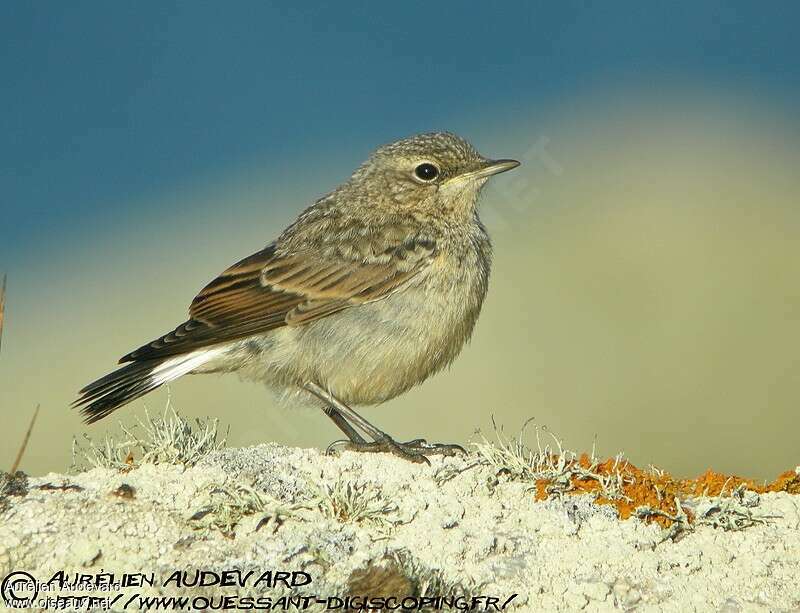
(489, 168)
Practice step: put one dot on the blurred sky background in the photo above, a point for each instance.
(646, 287)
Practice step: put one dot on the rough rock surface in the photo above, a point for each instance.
(370, 523)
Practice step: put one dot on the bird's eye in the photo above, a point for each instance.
(426, 172)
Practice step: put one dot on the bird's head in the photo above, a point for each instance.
(438, 172)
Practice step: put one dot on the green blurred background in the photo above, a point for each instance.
(646, 287)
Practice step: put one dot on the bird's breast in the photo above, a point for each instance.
(373, 352)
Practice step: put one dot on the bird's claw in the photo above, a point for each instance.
(413, 451)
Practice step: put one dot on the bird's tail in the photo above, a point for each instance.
(133, 380)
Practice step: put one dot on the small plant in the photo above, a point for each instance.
(166, 439)
(347, 501)
(229, 504)
(5, 489)
(733, 512)
(110, 453)
(548, 462)
(12, 485)
(678, 522)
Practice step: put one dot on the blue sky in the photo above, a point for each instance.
(107, 103)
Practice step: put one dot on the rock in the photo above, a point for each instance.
(359, 525)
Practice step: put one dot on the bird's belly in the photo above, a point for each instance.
(373, 352)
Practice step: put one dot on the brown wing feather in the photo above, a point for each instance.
(266, 291)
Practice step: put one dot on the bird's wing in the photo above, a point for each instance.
(267, 290)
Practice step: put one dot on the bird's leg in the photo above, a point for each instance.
(346, 418)
(343, 425)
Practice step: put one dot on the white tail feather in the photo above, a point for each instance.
(183, 364)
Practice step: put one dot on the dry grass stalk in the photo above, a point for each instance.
(2, 308)
(25, 440)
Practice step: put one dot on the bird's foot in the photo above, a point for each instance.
(413, 451)
(424, 447)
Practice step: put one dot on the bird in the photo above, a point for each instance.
(372, 289)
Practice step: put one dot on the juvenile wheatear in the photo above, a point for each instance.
(373, 289)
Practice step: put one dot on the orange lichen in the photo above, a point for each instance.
(541, 489)
(657, 490)
(786, 482)
(712, 483)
